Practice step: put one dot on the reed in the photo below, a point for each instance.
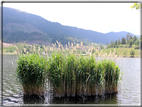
(68, 72)
(72, 75)
(31, 73)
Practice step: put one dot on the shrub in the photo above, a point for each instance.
(10, 49)
(132, 52)
(136, 47)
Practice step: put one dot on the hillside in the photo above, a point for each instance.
(7, 44)
(20, 26)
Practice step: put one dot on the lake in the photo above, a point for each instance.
(128, 90)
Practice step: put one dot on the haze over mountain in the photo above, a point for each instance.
(20, 26)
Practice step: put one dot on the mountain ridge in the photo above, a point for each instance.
(22, 26)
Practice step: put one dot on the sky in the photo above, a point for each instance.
(100, 17)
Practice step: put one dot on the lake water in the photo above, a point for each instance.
(128, 92)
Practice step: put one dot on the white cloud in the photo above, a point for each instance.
(101, 17)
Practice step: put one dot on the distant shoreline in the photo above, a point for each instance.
(122, 56)
(131, 56)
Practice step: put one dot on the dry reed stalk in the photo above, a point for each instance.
(45, 49)
(100, 91)
(98, 55)
(93, 90)
(33, 90)
(59, 46)
(77, 45)
(72, 52)
(75, 48)
(113, 53)
(24, 50)
(110, 52)
(115, 90)
(34, 50)
(114, 50)
(108, 55)
(66, 47)
(69, 44)
(62, 47)
(81, 44)
(15, 52)
(115, 58)
(16, 48)
(72, 45)
(38, 49)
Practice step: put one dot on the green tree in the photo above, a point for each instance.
(137, 43)
(138, 6)
(135, 38)
(112, 44)
(119, 41)
(131, 36)
(126, 41)
(128, 36)
(42, 46)
(130, 43)
(116, 42)
(123, 41)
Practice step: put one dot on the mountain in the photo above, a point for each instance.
(20, 26)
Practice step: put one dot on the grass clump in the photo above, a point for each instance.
(68, 72)
(112, 74)
(72, 75)
(31, 73)
(132, 52)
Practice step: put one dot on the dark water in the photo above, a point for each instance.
(128, 91)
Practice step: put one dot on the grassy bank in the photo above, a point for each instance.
(125, 52)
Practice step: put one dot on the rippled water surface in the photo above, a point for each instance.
(128, 91)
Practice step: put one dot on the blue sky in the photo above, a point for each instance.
(101, 17)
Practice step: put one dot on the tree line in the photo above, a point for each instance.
(128, 41)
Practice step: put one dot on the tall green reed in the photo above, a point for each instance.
(31, 73)
(72, 75)
(68, 72)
